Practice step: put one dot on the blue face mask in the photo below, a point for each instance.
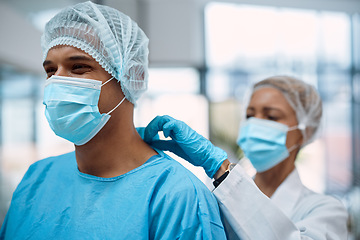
(71, 108)
(264, 142)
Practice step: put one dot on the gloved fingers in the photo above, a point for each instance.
(162, 145)
(170, 145)
(170, 129)
(177, 130)
(154, 127)
(141, 132)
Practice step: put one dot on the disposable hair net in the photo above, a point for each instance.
(109, 36)
(303, 98)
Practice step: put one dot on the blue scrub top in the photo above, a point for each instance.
(158, 200)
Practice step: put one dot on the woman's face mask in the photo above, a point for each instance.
(264, 142)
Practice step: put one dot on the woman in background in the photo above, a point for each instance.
(283, 115)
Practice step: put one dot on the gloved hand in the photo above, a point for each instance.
(185, 143)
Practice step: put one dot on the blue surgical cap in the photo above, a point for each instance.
(109, 36)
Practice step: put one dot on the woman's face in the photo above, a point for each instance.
(270, 104)
(72, 62)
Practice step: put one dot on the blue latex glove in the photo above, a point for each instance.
(185, 143)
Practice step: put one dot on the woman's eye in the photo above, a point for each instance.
(273, 118)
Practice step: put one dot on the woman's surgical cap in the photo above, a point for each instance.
(303, 98)
(109, 36)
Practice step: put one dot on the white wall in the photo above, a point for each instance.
(176, 33)
(174, 28)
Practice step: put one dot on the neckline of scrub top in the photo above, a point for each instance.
(286, 195)
(112, 179)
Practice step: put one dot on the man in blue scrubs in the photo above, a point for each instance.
(114, 185)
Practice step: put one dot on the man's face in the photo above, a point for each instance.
(72, 62)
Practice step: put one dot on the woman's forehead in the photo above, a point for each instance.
(269, 97)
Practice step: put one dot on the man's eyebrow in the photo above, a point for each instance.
(46, 62)
(80, 57)
(72, 58)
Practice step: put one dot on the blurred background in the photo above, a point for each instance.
(203, 57)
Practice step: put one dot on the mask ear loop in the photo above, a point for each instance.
(301, 127)
(118, 103)
(116, 106)
(293, 128)
(293, 148)
(107, 81)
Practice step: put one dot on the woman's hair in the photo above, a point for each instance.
(109, 36)
(303, 98)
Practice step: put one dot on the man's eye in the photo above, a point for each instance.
(77, 66)
(80, 68)
(47, 70)
(50, 71)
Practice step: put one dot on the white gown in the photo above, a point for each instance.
(293, 212)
